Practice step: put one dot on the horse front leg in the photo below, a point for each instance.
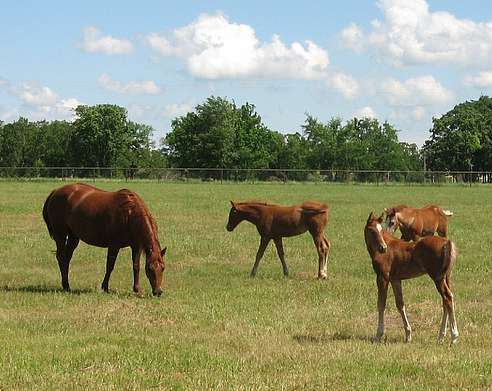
(110, 260)
(281, 255)
(400, 305)
(261, 250)
(382, 284)
(136, 252)
(64, 251)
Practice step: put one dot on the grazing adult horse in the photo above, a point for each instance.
(417, 222)
(105, 219)
(274, 222)
(394, 260)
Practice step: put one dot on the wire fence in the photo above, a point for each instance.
(244, 175)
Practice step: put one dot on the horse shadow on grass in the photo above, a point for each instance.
(338, 336)
(42, 289)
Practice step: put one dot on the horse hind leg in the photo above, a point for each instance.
(448, 311)
(322, 247)
(281, 255)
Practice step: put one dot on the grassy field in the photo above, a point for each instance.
(215, 327)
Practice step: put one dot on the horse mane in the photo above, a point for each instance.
(260, 203)
(131, 203)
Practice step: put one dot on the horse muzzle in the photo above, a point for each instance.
(157, 292)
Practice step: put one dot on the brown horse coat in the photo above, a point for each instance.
(274, 222)
(105, 219)
(394, 260)
(417, 222)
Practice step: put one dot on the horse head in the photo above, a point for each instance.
(235, 217)
(154, 269)
(391, 221)
(373, 233)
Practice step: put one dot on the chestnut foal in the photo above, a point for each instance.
(417, 222)
(394, 260)
(274, 222)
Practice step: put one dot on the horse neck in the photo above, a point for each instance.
(404, 219)
(373, 246)
(252, 212)
(147, 235)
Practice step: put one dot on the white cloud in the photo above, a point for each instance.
(35, 95)
(176, 109)
(483, 79)
(352, 37)
(215, 48)
(411, 34)
(41, 102)
(94, 42)
(419, 91)
(8, 114)
(365, 112)
(418, 113)
(131, 88)
(345, 84)
(149, 112)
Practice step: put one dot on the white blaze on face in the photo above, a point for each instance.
(378, 226)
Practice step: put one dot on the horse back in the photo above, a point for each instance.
(96, 216)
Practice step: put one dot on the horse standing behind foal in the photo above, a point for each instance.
(274, 222)
(417, 222)
(105, 219)
(394, 260)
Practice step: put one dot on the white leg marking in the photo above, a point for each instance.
(408, 328)
(444, 324)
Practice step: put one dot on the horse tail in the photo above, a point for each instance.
(449, 254)
(446, 212)
(316, 209)
(45, 214)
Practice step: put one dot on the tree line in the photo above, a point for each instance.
(221, 134)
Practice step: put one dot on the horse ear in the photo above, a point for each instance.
(371, 217)
(233, 205)
(381, 218)
(163, 252)
(386, 210)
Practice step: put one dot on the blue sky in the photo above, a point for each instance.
(396, 60)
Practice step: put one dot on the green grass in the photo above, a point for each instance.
(215, 327)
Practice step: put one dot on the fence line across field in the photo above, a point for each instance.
(246, 175)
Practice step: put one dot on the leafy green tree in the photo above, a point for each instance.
(20, 144)
(321, 142)
(56, 138)
(462, 138)
(220, 134)
(101, 136)
(293, 153)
